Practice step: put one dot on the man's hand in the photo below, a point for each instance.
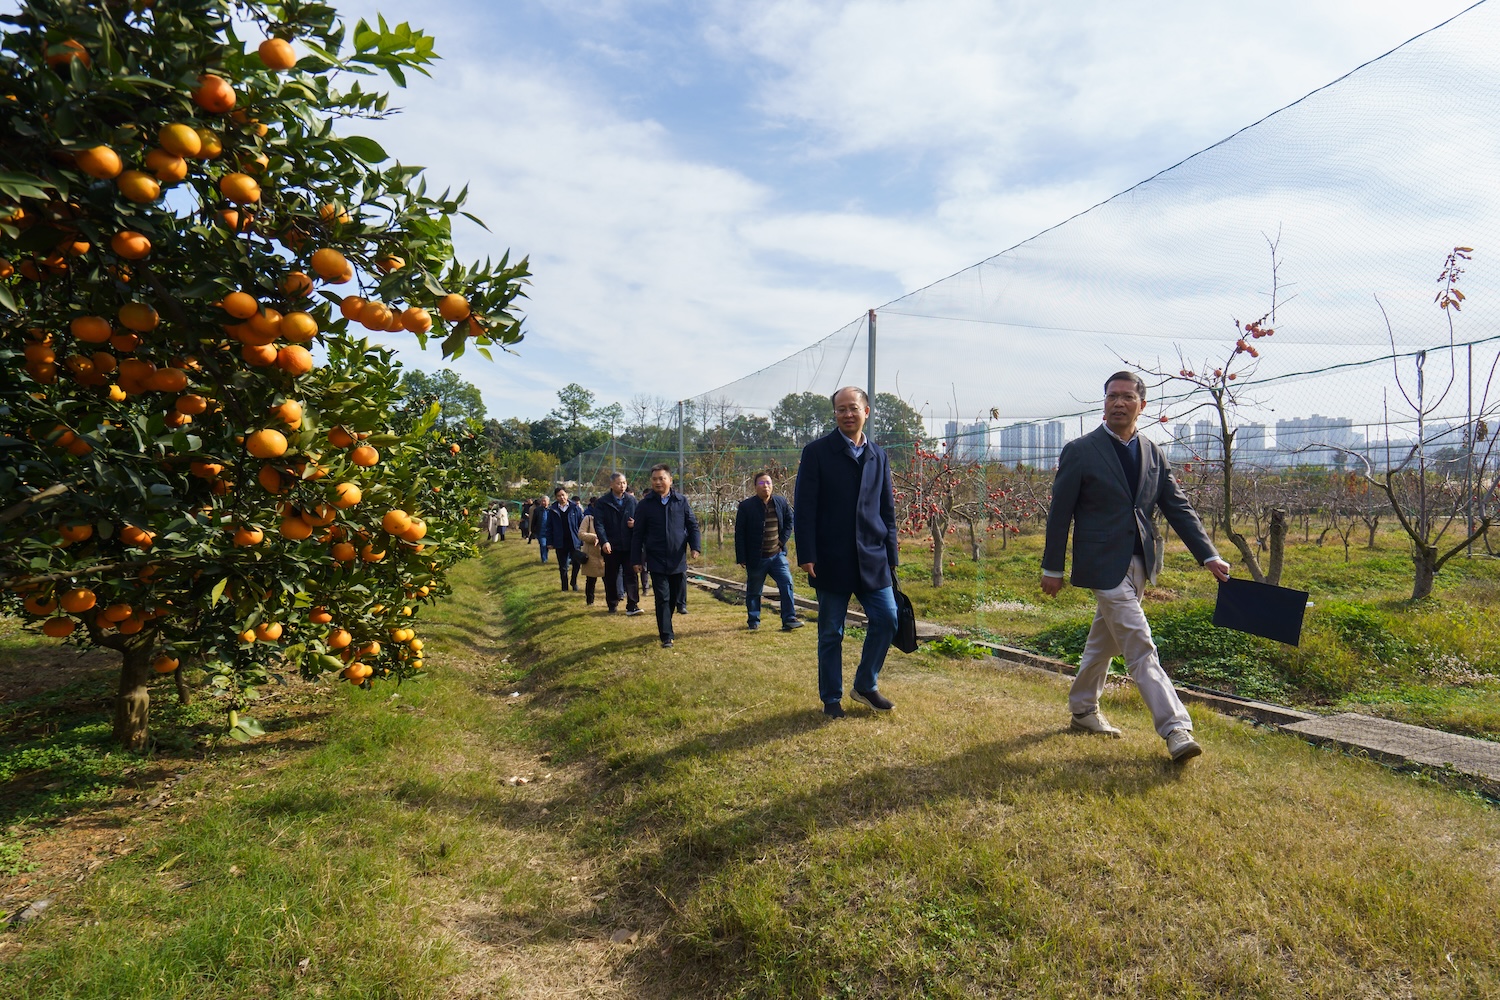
(1219, 568)
(607, 549)
(640, 568)
(630, 522)
(808, 567)
(1052, 585)
(695, 554)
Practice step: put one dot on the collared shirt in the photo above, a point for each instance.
(770, 537)
(1134, 445)
(854, 449)
(665, 497)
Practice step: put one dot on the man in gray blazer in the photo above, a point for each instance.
(1109, 485)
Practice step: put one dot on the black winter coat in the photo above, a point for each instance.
(846, 516)
(663, 534)
(750, 526)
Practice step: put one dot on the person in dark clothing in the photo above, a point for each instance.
(846, 541)
(539, 524)
(762, 524)
(525, 521)
(563, 519)
(665, 532)
(614, 513)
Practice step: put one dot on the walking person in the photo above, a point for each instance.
(665, 532)
(614, 516)
(502, 519)
(1108, 487)
(563, 519)
(525, 520)
(487, 524)
(762, 524)
(593, 556)
(539, 524)
(846, 541)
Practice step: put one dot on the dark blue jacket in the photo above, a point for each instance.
(562, 526)
(750, 526)
(846, 522)
(663, 533)
(610, 516)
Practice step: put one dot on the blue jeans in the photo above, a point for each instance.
(543, 543)
(880, 610)
(756, 571)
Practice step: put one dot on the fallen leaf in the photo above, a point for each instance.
(623, 936)
(303, 966)
(234, 870)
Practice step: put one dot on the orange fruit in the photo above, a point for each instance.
(268, 631)
(206, 470)
(74, 533)
(131, 626)
(100, 161)
(395, 521)
(319, 616)
(344, 552)
(277, 53)
(164, 664)
(329, 263)
(415, 531)
(169, 168)
(369, 555)
(320, 516)
(77, 601)
(90, 329)
(364, 456)
(295, 360)
(338, 639)
(289, 413)
(248, 536)
(346, 495)
(375, 316)
(297, 284)
(352, 306)
(180, 140)
(267, 323)
(259, 355)
(416, 320)
(299, 327)
(416, 645)
(232, 222)
(167, 380)
(240, 305)
(295, 528)
(370, 649)
(137, 538)
(247, 636)
(386, 263)
(212, 145)
(65, 52)
(130, 244)
(138, 316)
(453, 308)
(80, 448)
(340, 437)
(192, 404)
(270, 480)
(58, 627)
(117, 612)
(213, 94)
(266, 444)
(242, 189)
(39, 605)
(138, 186)
(334, 214)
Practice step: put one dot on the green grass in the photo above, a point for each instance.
(1362, 638)
(966, 845)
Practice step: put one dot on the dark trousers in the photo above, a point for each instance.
(618, 571)
(567, 558)
(588, 588)
(667, 590)
(503, 527)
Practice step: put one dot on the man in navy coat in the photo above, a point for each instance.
(665, 531)
(563, 519)
(846, 541)
(614, 515)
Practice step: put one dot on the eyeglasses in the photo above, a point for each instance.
(1122, 397)
(847, 410)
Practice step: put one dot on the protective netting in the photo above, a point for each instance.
(1363, 187)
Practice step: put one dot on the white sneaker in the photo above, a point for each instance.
(1181, 745)
(1095, 722)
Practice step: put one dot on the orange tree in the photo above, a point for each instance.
(197, 456)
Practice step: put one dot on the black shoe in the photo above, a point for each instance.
(575, 587)
(682, 610)
(588, 604)
(666, 644)
(833, 709)
(632, 612)
(614, 611)
(753, 627)
(792, 625)
(875, 700)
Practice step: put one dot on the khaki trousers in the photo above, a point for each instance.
(1120, 628)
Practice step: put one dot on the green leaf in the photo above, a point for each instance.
(366, 149)
(218, 592)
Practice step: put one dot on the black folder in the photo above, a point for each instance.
(1261, 609)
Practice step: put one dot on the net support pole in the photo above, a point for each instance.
(679, 438)
(870, 360)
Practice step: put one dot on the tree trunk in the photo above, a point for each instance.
(937, 528)
(133, 705)
(1424, 559)
(1278, 547)
(1372, 525)
(184, 693)
(973, 543)
(1247, 554)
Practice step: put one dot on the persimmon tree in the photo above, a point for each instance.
(937, 491)
(198, 459)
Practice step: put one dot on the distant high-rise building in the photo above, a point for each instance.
(1299, 440)
(968, 442)
(1054, 436)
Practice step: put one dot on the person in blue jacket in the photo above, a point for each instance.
(665, 532)
(614, 516)
(563, 519)
(846, 541)
(762, 525)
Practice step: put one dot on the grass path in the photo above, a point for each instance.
(693, 804)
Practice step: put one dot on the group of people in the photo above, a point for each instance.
(1109, 486)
